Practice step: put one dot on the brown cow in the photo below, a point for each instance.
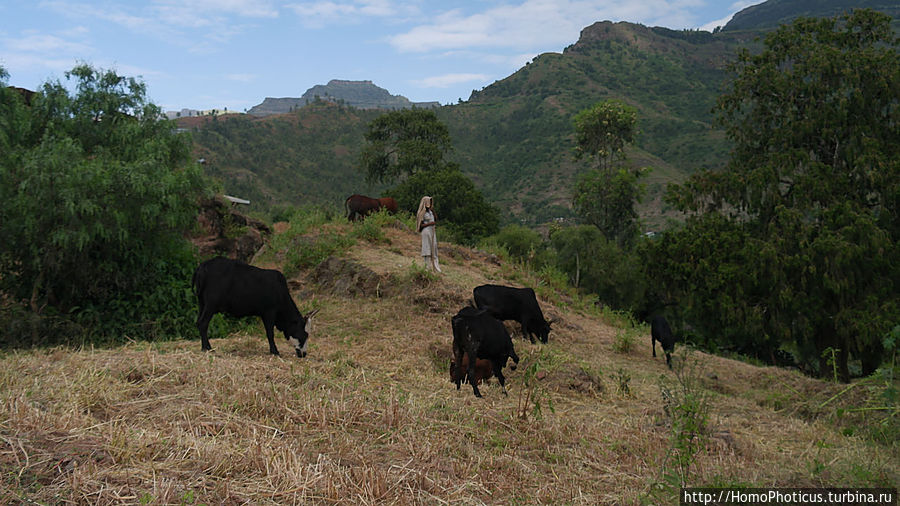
(388, 203)
(484, 370)
(360, 206)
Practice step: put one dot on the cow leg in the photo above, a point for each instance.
(269, 323)
(498, 372)
(472, 377)
(203, 320)
(669, 359)
(653, 341)
(457, 357)
(526, 333)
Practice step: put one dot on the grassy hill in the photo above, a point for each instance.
(514, 138)
(371, 417)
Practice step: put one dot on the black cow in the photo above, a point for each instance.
(519, 304)
(478, 334)
(660, 331)
(230, 286)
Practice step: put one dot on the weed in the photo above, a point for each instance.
(533, 396)
(625, 339)
(687, 405)
(622, 383)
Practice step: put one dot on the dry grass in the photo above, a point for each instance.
(371, 417)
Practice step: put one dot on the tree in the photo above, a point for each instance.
(599, 265)
(605, 196)
(402, 143)
(603, 130)
(95, 193)
(459, 206)
(812, 184)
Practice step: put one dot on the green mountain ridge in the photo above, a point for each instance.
(513, 137)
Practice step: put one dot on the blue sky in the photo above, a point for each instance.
(205, 54)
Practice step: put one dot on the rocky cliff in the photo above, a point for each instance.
(359, 94)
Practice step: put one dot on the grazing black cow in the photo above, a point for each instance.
(519, 304)
(660, 331)
(232, 287)
(480, 335)
(360, 206)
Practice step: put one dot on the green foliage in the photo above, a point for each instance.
(599, 266)
(606, 199)
(95, 193)
(402, 143)
(523, 244)
(603, 130)
(809, 199)
(461, 210)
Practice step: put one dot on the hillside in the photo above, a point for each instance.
(772, 13)
(514, 137)
(370, 417)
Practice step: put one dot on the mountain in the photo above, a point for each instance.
(771, 14)
(359, 94)
(514, 138)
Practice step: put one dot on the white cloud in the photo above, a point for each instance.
(535, 23)
(324, 12)
(44, 44)
(447, 80)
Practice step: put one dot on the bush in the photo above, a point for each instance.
(462, 212)
(95, 194)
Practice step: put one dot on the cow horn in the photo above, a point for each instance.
(312, 313)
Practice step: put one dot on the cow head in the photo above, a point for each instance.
(541, 328)
(297, 333)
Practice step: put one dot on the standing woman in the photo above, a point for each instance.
(425, 219)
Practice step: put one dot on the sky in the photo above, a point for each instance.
(217, 54)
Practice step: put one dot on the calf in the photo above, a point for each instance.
(484, 369)
(519, 304)
(480, 335)
(232, 287)
(660, 331)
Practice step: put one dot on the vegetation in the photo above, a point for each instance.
(795, 243)
(95, 193)
(403, 143)
(462, 212)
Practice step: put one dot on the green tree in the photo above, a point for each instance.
(598, 265)
(461, 209)
(603, 130)
(812, 185)
(606, 198)
(95, 193)
(402, 143)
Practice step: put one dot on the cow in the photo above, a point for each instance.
(233, 287)
(484, 369)
(480, 335)
(660, 331)
(360, 206)
(389, 204)
(519, 304)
